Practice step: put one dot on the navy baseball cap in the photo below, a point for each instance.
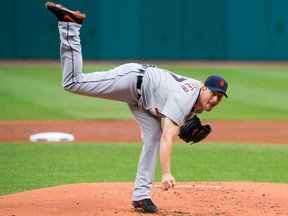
(217, 83)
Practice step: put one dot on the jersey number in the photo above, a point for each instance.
(178, 78)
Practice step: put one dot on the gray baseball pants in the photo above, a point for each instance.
(118, 84)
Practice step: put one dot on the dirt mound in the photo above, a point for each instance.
(115, 199)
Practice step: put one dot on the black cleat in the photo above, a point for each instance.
(64, 14)
(146, 205)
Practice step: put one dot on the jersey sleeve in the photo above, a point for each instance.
(178, 106)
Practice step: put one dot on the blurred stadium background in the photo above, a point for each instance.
(149, 29)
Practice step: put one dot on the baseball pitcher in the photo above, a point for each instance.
(152, 94)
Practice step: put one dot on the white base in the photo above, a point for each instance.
(52, 137)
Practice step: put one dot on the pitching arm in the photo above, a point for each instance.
(170, 129)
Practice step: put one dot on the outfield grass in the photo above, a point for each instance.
(35, 92)
(30, 166)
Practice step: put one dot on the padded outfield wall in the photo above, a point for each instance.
(149, 29)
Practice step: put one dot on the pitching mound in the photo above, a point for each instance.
(115, 199)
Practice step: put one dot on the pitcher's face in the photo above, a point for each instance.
(209, 99)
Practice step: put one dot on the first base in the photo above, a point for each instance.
(52, 137)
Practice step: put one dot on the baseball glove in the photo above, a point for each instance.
(193, 131)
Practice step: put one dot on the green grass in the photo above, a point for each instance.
(35, 92)
(31, 166)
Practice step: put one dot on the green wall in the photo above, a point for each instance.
(257, 29)
(149, 29)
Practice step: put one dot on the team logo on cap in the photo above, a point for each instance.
(222, 83)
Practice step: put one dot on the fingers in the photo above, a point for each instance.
(166, 185)
(168, 181)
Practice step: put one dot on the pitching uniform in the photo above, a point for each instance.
(150, 92)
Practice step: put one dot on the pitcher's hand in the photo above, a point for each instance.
(168, 181)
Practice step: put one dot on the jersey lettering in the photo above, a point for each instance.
(190, 86)
(186, 86)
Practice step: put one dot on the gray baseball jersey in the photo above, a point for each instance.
(168, 94)
(150, 93)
